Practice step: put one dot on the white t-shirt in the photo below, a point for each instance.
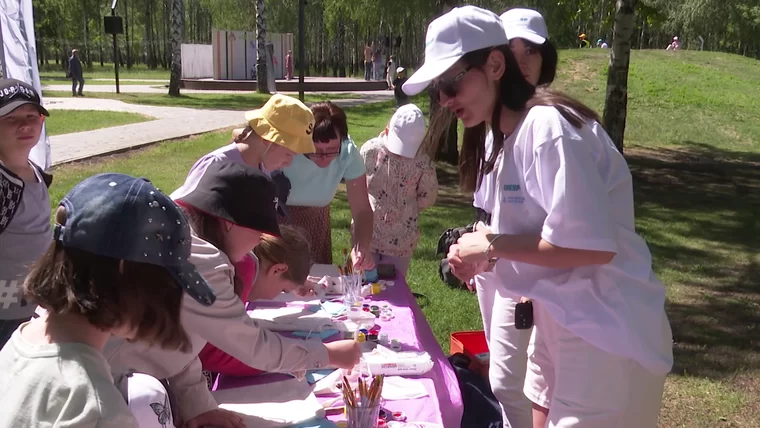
(62, 385)
(485, 195)
(573, 187)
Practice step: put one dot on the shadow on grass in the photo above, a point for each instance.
(698, 209)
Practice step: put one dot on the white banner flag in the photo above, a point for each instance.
(19, 58)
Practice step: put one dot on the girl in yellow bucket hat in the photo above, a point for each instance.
(276, 132)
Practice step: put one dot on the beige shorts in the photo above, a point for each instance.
(584, 386)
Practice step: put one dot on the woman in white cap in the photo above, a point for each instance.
(563, 231)
(529, 41)
(401, 184)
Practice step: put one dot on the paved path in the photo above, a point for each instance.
(171, 123)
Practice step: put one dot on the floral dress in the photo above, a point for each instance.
(399, 190)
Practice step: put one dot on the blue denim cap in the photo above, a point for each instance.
(127, 218)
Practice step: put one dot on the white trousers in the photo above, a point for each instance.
(585, 387)
(508, 351)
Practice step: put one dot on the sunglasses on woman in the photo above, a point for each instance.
(449, 87)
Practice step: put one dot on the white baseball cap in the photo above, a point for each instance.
(406, 131)
(400, 69)
(449, 37)
(525, 24)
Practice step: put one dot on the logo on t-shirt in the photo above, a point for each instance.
(509, 198)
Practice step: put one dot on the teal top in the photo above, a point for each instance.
(312, 186)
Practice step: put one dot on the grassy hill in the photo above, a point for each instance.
(693, 145)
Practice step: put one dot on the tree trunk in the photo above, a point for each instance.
(126, 35)
(261, 49)
(177, 29)
(616, 103)
(166, 59)
(341, 51)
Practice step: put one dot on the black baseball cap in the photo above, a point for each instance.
(15, 93)
(128, 218)
(237, 193)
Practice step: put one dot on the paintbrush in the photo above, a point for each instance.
(345, 261)
(348, 392)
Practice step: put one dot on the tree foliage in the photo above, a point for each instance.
(337, 29)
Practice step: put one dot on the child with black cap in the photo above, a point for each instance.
(229, 209)
(24, 201)
(118, 266)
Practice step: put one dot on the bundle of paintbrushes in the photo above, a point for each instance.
(363, 407)
(347, 268)
(351, 282)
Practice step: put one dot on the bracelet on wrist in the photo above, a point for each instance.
(490, 245)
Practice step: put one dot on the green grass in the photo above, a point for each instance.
(53, 72)
(241, 101)
(68, 121)
(110, 82)
(693, 145)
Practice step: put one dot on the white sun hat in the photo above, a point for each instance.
(449, 37)
(406, 131)
(525, 24)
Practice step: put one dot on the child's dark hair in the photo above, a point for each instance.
(514, 93)
(110, 293)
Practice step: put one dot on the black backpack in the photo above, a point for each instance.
(481, 409)
(446, 240)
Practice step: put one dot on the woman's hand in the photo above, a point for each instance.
(461, 269)
(218, 418)
(344, 354)
(362, 259)
(471, 247)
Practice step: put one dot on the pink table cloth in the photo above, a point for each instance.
(443, 405)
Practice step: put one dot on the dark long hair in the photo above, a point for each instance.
(549, 60)
(514, 93)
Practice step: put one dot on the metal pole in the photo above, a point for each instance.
(301, 47)
(115, 50)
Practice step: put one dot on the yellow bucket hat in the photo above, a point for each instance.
(285, 121)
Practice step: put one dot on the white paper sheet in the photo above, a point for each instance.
(293, 318)
(272, 405)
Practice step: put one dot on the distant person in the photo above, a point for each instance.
(75, 73)
(289, 66)
(602, 44)
(390, 71)
(377, 65)
(367, 61)
(674, 45)
(583, 42)
(398, 93)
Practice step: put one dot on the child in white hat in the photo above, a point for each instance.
(401, 183)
